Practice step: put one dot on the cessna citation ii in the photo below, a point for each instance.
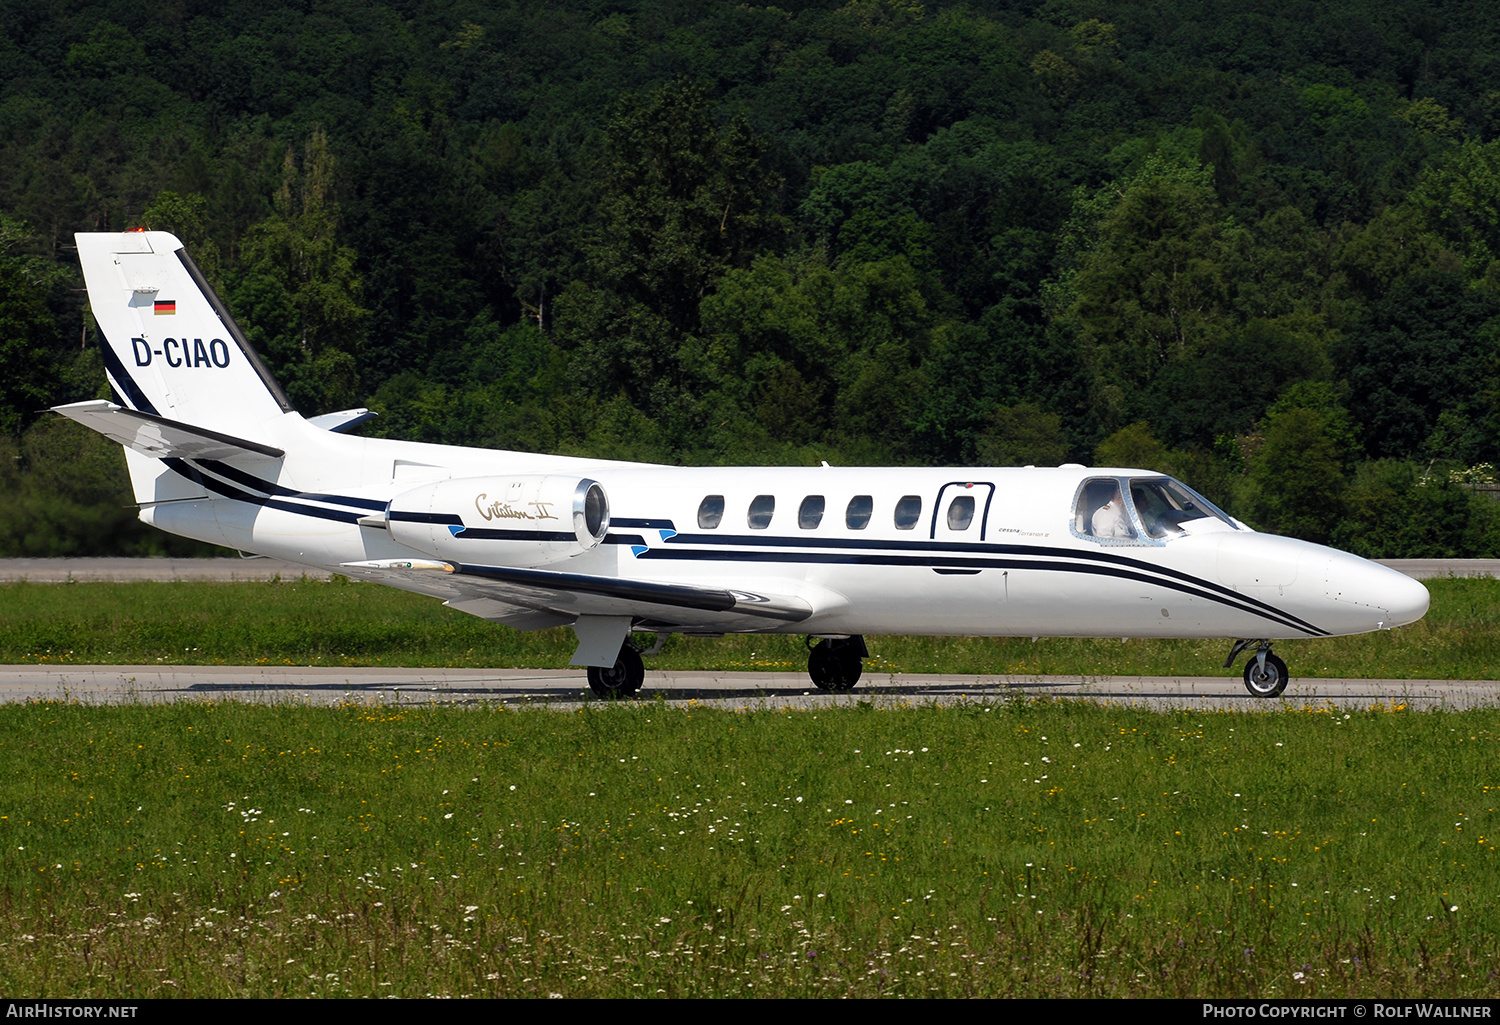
(217, 453)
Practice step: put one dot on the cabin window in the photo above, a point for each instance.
(961, 512)
(908, 511)
(711, 512)
(811, 513)
(857, 516)
(761, 509)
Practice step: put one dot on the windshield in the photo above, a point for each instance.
(1164, 505)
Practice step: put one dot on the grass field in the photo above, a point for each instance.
(341, 623)
(1017, 849)
(1023, 849)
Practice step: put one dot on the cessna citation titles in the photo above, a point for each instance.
(216, 452)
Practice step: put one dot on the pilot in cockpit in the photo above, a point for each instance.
(1110, 519)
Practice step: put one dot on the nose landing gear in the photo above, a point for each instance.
(1266, 676)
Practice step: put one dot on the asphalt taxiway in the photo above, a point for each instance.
(567, 689)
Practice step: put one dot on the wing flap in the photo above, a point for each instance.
(158, 437)
(577, 588)
(516, 616)
(566, 596)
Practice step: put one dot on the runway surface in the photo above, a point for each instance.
(567, 689)
(81, 571)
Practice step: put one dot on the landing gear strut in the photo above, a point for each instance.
(834, 663)
(1266, 676)
(621, 680)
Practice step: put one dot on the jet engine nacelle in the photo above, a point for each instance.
(510, 521)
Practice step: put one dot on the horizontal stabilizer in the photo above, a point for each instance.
(159, 437)
(344, 420)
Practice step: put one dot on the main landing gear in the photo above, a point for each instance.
(621, 680)
(1266, 675)
(834, 663)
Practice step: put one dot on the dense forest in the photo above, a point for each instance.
(1256, 245)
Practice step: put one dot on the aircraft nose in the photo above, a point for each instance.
(1407, 599)
(1396, 598)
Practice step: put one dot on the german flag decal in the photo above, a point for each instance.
(166, 307)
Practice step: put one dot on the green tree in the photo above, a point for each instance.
(1429, 346)
(683, 198)
(799, 345)
(29, 349)
(64, 492)
(1135, 446)
(186, 216)
(1297, 476)
(1152, 290)
(1396, 511)
(297, 293)
(1459, 197)
(1023, 435)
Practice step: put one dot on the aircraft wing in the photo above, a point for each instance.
(531, 598)
(158, 437)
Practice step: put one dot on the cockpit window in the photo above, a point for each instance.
(908, 512)
(1164, 505)
(1101, 511)
(710, 512)
(961, 512)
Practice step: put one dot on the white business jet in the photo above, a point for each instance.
(217, 453)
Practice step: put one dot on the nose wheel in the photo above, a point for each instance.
(1266, 676)
(1266, 681)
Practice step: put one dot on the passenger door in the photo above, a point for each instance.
(961, 511)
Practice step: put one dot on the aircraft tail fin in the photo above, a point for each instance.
(171, 348)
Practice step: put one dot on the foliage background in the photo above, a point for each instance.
(1254, 246)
